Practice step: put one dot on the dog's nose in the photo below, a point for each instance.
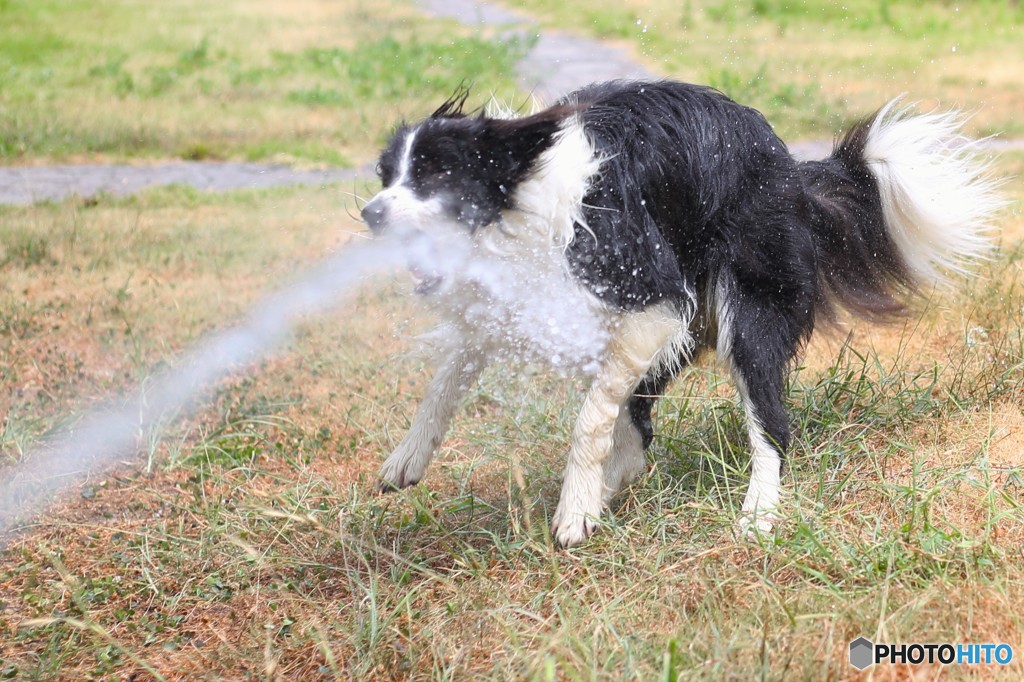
(373, 214)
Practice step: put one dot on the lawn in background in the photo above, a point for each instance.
(262, 80)
(812, 65)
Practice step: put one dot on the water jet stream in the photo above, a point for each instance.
(104, 434)
(511, 301)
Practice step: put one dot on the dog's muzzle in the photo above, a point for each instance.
(375, 214)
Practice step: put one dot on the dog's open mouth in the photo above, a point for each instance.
(423, 261)
(425, 282)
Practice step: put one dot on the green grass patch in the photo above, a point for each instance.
(133, 80)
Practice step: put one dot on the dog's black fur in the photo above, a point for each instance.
(699, 192)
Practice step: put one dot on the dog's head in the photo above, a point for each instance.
(457, 170)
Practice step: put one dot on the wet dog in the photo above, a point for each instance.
(679, 220)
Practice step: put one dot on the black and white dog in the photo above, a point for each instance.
(678, 219)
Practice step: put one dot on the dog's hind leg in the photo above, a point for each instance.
(626, 460)
(639, 342)
(768, 431)
(634, 431)
(758, 340)
(455, 375)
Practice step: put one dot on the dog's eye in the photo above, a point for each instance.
(386, 173)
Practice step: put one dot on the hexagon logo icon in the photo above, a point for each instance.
(862, 653)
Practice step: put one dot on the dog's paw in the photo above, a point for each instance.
(399, 471)
(753, 524)
(571, 532)
(571, 526)
(392, 483)
(385, 486)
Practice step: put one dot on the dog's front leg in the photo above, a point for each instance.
(455, 375)
(638, 342)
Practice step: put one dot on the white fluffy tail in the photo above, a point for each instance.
(938, 197)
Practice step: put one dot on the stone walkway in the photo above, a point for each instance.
(558, 63)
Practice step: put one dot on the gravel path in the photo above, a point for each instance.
(557, 64)
(27, 185)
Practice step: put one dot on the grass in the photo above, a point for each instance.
(318, 83)
(814, 66)
(248, 542)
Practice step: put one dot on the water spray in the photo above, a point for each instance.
(514, 300)
(102, 435)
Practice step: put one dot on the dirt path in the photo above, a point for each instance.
(28, 185)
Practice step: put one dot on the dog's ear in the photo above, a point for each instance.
(516, 143)
(454, 105)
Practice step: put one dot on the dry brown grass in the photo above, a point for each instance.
(255, 545)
